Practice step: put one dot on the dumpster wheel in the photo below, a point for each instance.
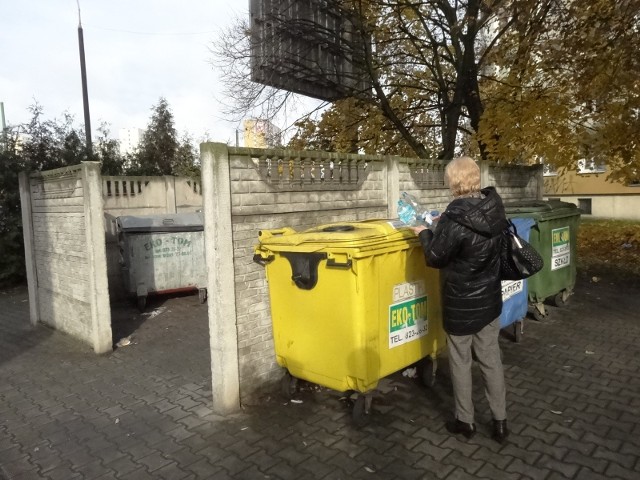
(561, 298)
(142, 302)
(427, 369)
(361, 413)
(288, 385)
(537, 311)
(202, 295)
(518, 328)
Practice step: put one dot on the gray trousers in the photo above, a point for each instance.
(485, 344)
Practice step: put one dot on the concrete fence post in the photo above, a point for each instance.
(485, 177)
(218, 237)
(540, 181)
(393, 185)
(170, 188)
(96, 258)
(29, 246)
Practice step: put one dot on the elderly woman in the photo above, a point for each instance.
(466, 245)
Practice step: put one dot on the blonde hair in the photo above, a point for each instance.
(463, 176)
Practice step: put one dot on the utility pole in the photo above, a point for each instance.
(85, 93)
(3, 133)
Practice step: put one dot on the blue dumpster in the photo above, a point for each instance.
(514, 292)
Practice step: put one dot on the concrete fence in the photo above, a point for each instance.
(72, 253)
(62, 217)
(248, 190)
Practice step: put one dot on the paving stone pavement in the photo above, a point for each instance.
(142, 412)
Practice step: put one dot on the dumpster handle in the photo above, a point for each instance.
(260, 260)
(276, 232)
(304, 268)
(331, 262)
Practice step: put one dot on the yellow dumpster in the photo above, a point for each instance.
(350, 304)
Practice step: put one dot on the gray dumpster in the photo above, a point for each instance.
(162, 254)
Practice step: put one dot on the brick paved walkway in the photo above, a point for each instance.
(142, 411)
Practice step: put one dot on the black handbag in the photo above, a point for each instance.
(518, 259)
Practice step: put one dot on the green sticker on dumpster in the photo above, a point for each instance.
(560, 248)
(408, 317)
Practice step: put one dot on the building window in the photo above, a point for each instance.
(584, 204)
(549, 171)
(590, 166)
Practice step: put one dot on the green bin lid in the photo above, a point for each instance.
(541, 209)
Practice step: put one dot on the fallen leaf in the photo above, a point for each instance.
(556, 412)
(370, 469)
(293, 400)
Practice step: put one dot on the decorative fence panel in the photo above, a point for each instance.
(248, 190)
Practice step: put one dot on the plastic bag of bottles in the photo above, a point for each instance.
(411, 213)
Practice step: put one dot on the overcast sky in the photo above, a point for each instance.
(136, 51)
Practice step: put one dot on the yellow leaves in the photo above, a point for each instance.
(519, 124)
(575, 95)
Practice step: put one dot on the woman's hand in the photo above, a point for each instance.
(418, 228)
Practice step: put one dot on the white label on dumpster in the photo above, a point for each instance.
(397, 224)
(168, 246)
(408, 291)
(560, 248)
(408, 314)
(511, 288)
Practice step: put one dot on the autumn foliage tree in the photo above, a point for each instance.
(509, 80)
(423, 60)
(570, 90)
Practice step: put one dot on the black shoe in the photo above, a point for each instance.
(500, 431)
(456, 426)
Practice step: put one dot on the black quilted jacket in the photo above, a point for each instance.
(466, 245)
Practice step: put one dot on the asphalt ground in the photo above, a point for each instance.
(143, 411)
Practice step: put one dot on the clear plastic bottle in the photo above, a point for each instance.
(406, 212)
(411, 213)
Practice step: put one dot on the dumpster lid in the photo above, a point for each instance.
(342, 234)
(176, 222)
(541, 208)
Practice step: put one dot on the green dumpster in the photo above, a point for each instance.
(554, 235)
